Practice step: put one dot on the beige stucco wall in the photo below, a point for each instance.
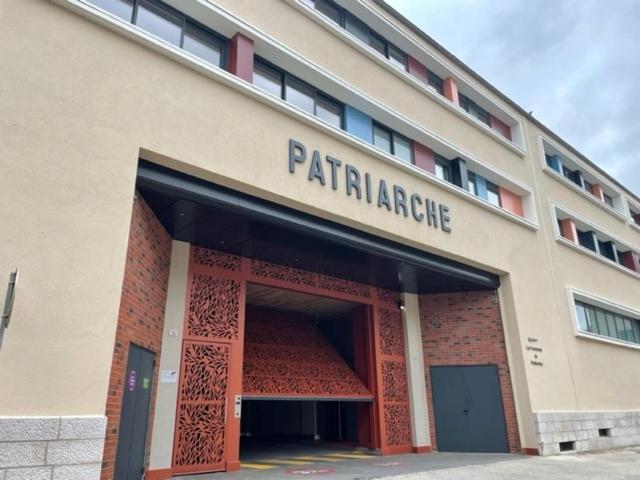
(80, 102)
(603, 376)
(287, 25)
(167, 394)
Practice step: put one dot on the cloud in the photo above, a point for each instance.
(575, 63)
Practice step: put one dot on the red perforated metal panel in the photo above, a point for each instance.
(201, 426)
(286, 355)
(394, 378)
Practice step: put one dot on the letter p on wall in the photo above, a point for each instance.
(297, 154)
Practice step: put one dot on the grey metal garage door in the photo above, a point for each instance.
(469, 414)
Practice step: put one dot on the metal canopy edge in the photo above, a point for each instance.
(170, 181)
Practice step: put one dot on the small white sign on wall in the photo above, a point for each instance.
(168, 376)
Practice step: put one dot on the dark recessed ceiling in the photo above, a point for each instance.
(211, 216)
(281, 299)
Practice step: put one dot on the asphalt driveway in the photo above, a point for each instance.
(623, 464)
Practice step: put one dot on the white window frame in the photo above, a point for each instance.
(574, 294)
(619, 212)
(576, 246)
(636, 205)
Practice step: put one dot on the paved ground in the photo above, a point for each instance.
(326, 464)
(610, 465)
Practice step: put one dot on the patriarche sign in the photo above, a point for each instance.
(393, 198)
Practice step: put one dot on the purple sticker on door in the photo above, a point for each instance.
(132, 380)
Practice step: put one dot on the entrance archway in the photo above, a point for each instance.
(206, 435)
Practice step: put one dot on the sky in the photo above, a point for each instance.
(574, 63)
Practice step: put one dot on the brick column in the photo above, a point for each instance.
(416, 69)
(568, 229)
(596, 189)
(424, 157)
(499, 126)
(465, 328)
(511, 201)
(451, 90)
(241, 57)
(141, 316)
(631, 260)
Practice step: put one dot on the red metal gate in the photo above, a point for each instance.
(207, 433)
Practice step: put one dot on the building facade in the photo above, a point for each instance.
(222, 209)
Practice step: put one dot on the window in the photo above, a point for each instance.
(472, 183)
(296, 92)
(361, 31)
(574, 175)
(402, 148)
(607, 249)
(597, 320)
(170, 25)
(393, 143)
(477, 184)
(267, 78)
(329, 9)
(299, 94)
(493, 194)
(442, 168)
(329, 111)
(435, 82)
(588, 187)
(382, 138)
(356, 28)
(377, 43)
(159, 21)
(397, 58)
(608, 200)
(586, 239)
(202, 44)
(119, 8)
(474, 109)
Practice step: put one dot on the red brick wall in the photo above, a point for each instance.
(141, 316)
(466, 329)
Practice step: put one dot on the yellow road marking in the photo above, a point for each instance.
(257, 466)
(319, 459)
(348, 455)
(286, 462)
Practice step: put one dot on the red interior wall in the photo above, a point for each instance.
(141, 315)
(286, 354)
(466, 329)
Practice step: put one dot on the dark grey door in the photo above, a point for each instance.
(132, 434)
(468, 409)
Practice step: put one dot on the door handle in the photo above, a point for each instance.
(465, 411)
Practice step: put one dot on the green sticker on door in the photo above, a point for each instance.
(145, 383)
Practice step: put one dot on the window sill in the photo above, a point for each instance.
(594, 255)
(564, 180)
(230, 80)
(635, 226)
(404, 75)
(603, 339)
